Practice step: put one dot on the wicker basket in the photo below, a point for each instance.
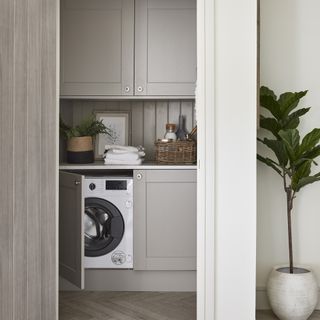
(174, 152)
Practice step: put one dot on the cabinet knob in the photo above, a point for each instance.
(77, 182)
(139, 176)
(140, 89)
(127, 89)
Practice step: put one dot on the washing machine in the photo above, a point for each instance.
(108, 222)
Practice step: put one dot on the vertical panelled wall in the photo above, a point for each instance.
(147, 118)
(28, 159)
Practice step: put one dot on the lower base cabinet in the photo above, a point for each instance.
(165, 218)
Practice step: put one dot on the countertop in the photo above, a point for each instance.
(99, 165)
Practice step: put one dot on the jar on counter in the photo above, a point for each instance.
(170, 131)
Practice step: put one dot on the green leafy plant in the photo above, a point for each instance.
(87, 127)
(294, 156)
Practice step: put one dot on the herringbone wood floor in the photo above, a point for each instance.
(97, 305)
(268, 315)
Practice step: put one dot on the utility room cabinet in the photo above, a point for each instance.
(165, 47)
(97, 47)
(165, 217)
(128, 48)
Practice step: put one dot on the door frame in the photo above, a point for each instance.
(222, 293)
(226, 116)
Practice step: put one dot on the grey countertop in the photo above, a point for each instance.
(99, 165)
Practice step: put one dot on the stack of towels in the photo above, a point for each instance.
(115, 154)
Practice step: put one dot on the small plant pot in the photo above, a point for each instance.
(80, 150)
(292, 296)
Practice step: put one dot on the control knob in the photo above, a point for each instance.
(92, 186)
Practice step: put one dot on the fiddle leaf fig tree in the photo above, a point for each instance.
(293, 156)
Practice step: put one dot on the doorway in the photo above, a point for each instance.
(167, 270)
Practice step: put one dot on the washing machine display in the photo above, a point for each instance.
(108, 222)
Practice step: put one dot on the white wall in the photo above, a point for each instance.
(290, 61)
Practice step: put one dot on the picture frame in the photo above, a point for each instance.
(118, 122)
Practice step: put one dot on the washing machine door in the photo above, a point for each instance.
(103, 227)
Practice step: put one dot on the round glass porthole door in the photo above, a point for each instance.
(103, 227)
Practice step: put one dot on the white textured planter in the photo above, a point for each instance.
(292, 296)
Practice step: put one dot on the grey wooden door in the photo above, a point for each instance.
(28, 159)
(165, 219)
(165, 47)
(97, 47)
(71, 236)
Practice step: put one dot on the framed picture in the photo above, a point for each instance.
(118, 123)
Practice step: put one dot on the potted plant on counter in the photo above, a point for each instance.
(292, 290)
(80, 138)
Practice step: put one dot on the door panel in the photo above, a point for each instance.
(165, 219)
(28, 159)
(97, 47)
(165, 51)
(71, 236)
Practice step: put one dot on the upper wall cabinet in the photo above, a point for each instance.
(127, 47)
(97, 41)
(165, 47)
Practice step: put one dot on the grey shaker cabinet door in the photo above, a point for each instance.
(71, 243)
(165, 47)
(97, 47)
(165, 219)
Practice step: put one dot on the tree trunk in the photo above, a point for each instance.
(289, 211)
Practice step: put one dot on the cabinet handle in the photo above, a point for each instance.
(77, 182)
(127, 89)
(140, 89)
(139, 176)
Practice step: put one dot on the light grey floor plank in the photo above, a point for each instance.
(97, 305)
(268, 315)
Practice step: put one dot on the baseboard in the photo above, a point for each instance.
(129, 280)
(262, 302)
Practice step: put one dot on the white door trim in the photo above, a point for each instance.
(206, 160)
(226, 118)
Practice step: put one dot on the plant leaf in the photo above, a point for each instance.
(313, 153)
(309, 141)
(289, 101)
(269, 103)
(271, 125)
(265, 91)
(292, 121)
(291, 139)
(303, 171)
(269, 163)
(305, 181)
(277, 146)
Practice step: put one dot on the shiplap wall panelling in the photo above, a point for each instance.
(187, 111)
(137, 123)
(28, 122)
(174, 111)
(161, 118)
(149, 132)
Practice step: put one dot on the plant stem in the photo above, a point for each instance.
(289, 211)
(290, 197)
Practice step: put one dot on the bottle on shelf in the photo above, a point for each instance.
(170, 132)
(181, 133)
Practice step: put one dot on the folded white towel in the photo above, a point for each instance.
(117, 151)
(122, 156)
(123, 162)
(120, 149)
